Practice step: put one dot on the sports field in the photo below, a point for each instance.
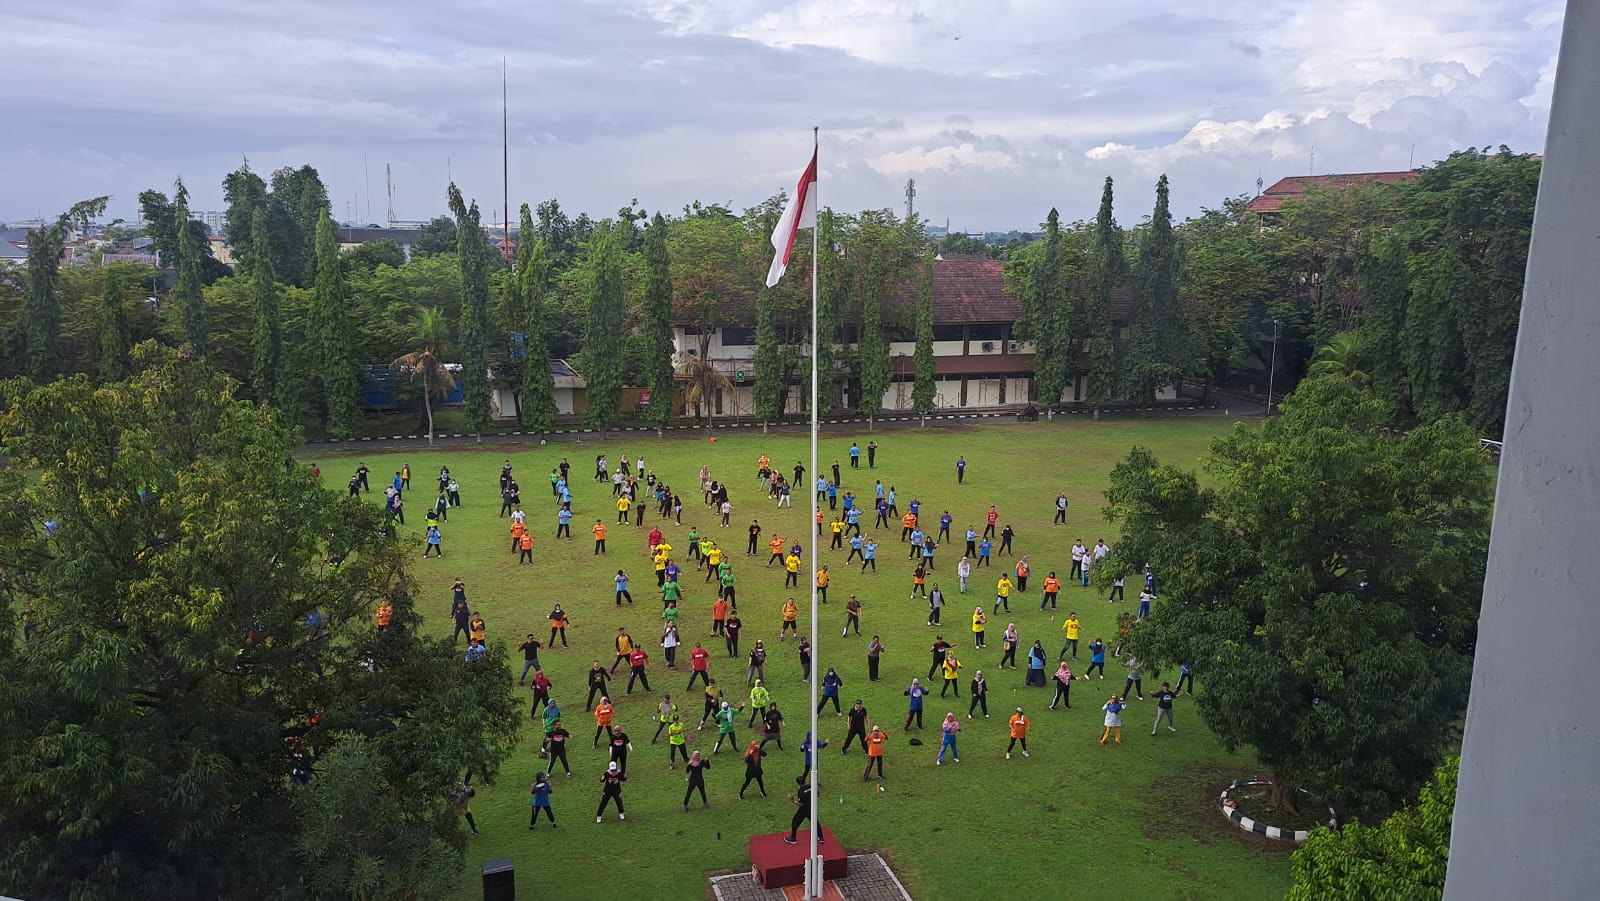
(1072, 820)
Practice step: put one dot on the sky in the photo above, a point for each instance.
(999, 109)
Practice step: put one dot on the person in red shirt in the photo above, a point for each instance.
(991, 518)
(636, 661)
(699, 666)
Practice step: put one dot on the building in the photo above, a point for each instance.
(215, 221)
(570, 393)
(351, 238)
(1268, 205)
(14, 244)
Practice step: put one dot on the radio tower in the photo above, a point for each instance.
(911, 198)
(388, 177)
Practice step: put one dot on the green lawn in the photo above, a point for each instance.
(1136, 821)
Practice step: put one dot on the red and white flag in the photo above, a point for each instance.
(801, 212)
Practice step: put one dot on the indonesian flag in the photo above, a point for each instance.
(801, 212)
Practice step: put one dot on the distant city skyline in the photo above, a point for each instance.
(998, 110)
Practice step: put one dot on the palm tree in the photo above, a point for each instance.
(703, 378)
(425, 362)
(1340, 356)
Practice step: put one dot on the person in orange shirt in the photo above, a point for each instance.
(875, 740)
(385, 614)
(776, 545)
(719, 615)
(907, 523)
(1023, 570)
(517, 530)
(526, 543)
(791, 613)
(819, 521)
(603, 715)
(599, 531)
(1052, 587)
(1019, 733)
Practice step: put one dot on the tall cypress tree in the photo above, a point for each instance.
(473, 324)
(1106, 274)
(191, 277)
(1156, 347)
(829, 288)
(658, 321)
(602, 336)
(923, 390)
(113, 315)
(770, 387)
(876, 368)
(245, 192)
(334, 335)
(536, 391)
(266, 329)
(1046, 320)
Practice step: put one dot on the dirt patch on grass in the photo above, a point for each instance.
(1184, 803)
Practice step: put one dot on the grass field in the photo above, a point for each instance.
(1074, 820)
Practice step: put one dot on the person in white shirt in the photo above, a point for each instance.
(964, 569)
(1100, 550)
(519, 516)
(1078, 552)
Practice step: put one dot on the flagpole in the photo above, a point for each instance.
(814, 864)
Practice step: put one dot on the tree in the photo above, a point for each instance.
(297, 204)
(923, 389)
(1404, 857)
(1341, 357)
(473, 325)
(536, 389)
(876, 368)
(41, 307)
(373, 254)
(438, 236)
(659, 343)
(831, 281)
(1038, 277)
(1327, 590)
(602, 338)
(772, 384)
(160, 220)
(154, 720)
(1157, 355)
(245, 193)
(1223, 287)
(333, 334)
(425, 363)
(1106, 270)
(189, 290)
(116, 281)
(266, 330)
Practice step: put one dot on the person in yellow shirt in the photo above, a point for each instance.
(952, 671)
(791, 565)
(476, 629)
(978, 619)
(623, 503)
(1071, 626)
(791, 613)
(838, 535)
(822, 584)
(1002, 594)
(713, 559)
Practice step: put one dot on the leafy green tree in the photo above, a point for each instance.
(659, 344)
(1223, 287)
(1404, 857)
(1381, 272)
(189, 292)
(438, 236)
(1342, 357)
(116, 281)
(266, 330)
(159, 216)
(831, 281)
(154, 719)
(923, 389)
(426, 364)
(1038, 277)
(473, 325)
(1157, 353)
(606, 295)
(41, 308)
(536, 389)
(772, 386)
(245, 193)
(373, 254)
(1326, 592)
(1107, 271)
(296, 206)
(561, 239)
(876, 368)
(333, 334)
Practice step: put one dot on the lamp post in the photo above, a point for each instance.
(1272, 368)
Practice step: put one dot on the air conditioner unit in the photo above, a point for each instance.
(1013, 346)
(988, 347)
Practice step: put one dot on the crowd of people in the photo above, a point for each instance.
(723, 706)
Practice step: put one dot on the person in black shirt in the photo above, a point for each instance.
(938, 649)
(620, 746)
(597, 684)
(361, 476)
(530, 656)
(1005, 540)
(611, 790)
(752, 769)
(558, 748)
(857, 718)
(802, 811)
(355, 485)
(754, 533)
(696, 768)
(872, 454)
(836, 480)
(462, 614)
(1164, 697)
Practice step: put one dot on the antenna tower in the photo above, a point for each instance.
(911, 198)
(388, 176)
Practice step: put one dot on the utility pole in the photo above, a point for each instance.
(1272, 368)
(911, 198)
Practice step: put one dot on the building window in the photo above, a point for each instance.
(992, 332)
(734, 336)
(949, 332)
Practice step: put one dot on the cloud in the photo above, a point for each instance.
(676, 100)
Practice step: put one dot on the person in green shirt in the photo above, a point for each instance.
(670, 612)
(675, 742)
(727, 585)
(727, 722)
(694, 544)
(670, 592)
(552, 715)
(760, 697)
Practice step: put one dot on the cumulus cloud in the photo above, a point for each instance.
(999, 108)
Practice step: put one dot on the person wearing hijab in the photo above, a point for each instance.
(696, 768)
(948, 730)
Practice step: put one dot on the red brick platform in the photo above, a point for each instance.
(775, 863)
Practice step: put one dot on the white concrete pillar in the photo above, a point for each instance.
(1528, 807)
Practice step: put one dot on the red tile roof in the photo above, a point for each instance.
(1271, 200)
(970, 290)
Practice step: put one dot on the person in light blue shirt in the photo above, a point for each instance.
(564, 523)
(984, 547)
(853, 520)
(822, 487)
(972, 542)
(476, 651)
(878, 491)
(894, 509)
(855, 456)
(856, 547)
(869, 555)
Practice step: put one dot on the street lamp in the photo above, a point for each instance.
(1272, 368)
